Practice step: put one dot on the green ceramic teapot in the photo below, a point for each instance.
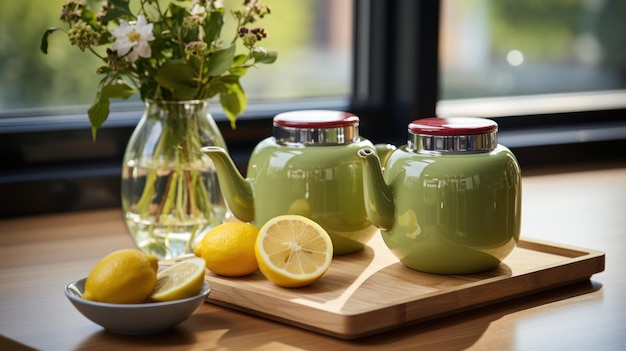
(308, 167)
(449, 201)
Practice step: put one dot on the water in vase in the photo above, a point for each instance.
(168, 211)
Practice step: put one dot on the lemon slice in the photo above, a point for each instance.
(183, 279)
(293, 251)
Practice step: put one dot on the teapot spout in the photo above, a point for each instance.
(379, 200)
(384, 151)
(236, 189)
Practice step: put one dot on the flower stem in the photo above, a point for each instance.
(166, 202)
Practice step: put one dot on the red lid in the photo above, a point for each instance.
(312, 119)
(452, 126)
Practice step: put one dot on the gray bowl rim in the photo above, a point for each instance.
(206, 289)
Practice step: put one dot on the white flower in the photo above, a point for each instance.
(198, 10)
(217, 4)
(132, 38)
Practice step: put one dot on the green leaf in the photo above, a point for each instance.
(233, 99)
(177, 14)
(179, 78)
(99, 111)
(103, 70)
(115, 14)
(118, 9)
(89, 16)
(128, 81)
(215, 87)
(221, 61)
(152, 13)
(238, 71)
(44, 39)
(117, 91)
(123, 5)
(262, 55)
(240, 59)
(195, 63)
(213, 24)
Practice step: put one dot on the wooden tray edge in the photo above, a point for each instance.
(581, 265)
(557, 248)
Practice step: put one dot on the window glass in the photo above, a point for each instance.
(492, 48)
(313, 39)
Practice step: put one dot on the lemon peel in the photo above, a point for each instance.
(124, 276)
(228, 249)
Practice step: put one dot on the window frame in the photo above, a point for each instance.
(395, 80)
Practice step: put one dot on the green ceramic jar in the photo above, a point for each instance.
(449, 201)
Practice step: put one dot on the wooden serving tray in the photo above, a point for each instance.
(371, 291)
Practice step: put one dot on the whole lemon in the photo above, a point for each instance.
(228, 249)
(123, 276)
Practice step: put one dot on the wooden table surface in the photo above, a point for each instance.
(39, 255)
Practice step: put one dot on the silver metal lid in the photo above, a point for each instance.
(456, 135)
(316, 127)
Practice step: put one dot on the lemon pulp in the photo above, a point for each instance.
(293, 251)
(181, 280)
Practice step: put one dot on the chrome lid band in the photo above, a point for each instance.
(316, 127)
(452, 144)
(316, 136)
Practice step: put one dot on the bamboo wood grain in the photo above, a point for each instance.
(371, 291)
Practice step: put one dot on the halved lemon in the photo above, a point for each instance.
(293, 251)
(182, 280)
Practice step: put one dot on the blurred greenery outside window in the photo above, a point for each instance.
(488, 48)
(490, 52)
(313, 39)
(512, 48)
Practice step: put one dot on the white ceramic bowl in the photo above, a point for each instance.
(143, 318)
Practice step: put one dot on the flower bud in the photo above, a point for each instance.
(250, 36)
(82, 35)
(197, 49)
(71, 11)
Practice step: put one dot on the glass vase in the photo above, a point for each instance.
(170, 193)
